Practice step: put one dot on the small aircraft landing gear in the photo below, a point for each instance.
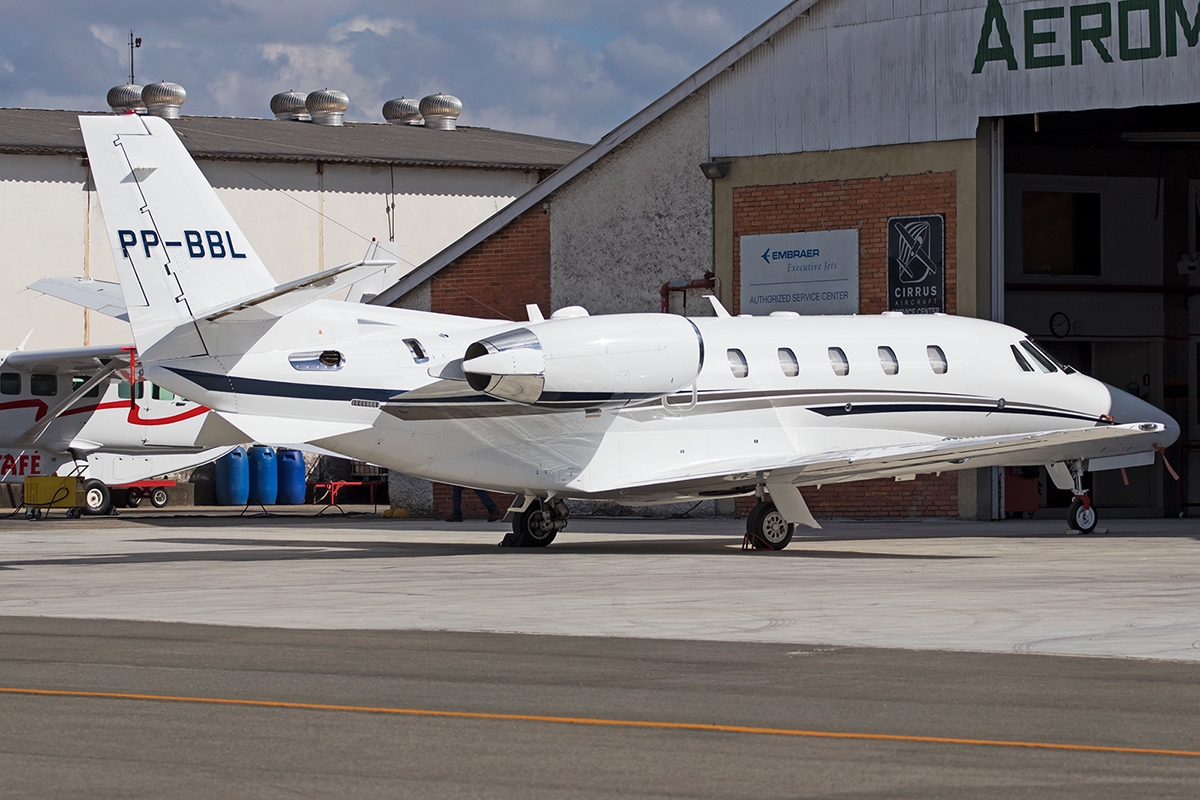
(97, 499)
(766, 529)
(538, 524)
(1082, 514)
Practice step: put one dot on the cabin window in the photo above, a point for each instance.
(1043, 361)
(78, 381)
(43, 385)
(788, 362)
(418, 352)
(1021, 362)
(888, 360)
(159, 393)
(10, 383)
(937, 359)
(313, 360)
(737, 362)
(123, 390)
(839, 362)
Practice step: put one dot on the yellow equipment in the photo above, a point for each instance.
(53, 491)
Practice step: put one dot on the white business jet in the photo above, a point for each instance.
(76, 412)
(636, 408)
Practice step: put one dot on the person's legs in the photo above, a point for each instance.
(492, 509)
(455, 504)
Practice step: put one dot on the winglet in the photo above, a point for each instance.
(718, 309)
(534, 312)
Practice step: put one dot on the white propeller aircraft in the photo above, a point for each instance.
(637, 408)
(75, 412)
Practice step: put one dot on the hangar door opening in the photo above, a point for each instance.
(1100, 226)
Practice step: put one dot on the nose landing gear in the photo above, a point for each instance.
(1082, 514)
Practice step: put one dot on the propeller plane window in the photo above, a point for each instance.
(159, 393)
(788, 362)
(43, 385)
(839, 362)
(1021, 362)
(124, 393)
(79, 380)
(888, 360)
(937, 359)
(737, 362)
(10, 383)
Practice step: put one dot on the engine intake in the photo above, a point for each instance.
(611, 360)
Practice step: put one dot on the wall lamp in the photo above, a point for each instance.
(713, 170)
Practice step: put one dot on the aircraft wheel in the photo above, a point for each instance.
(133, 497)
(96, 498)
(1080, 518)
(768, 529)
(533, 527)
(159, 497)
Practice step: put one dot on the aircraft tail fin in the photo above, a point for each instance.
(179, 254)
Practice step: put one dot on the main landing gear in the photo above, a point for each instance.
(536, 523)
(1082, 514)
(766, 529)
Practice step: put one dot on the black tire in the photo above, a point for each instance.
(133, 497)
(159, 497)
(529, 528)
(768, 529)
(1081, 519)
(97, 499)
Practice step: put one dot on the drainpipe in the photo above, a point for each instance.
(709, 281)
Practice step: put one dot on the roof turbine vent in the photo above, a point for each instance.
(290, 105)
(327, 106)
(402, 111)
(163, 99)
(126, 98)
(441, 111)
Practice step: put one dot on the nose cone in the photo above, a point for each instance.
(1125, 409)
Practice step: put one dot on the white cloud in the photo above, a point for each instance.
(363, 24)
(651, 59)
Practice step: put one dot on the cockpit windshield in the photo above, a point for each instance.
(1039, 355)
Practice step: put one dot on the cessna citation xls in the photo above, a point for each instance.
(636, 408)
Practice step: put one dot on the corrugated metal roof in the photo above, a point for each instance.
(47, 132)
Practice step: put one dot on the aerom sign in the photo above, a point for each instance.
(1060, 35)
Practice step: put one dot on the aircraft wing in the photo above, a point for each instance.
(67, 358)
(101, 296)
(903, 460)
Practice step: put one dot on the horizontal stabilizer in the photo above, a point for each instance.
(289, 297)
(101, 296)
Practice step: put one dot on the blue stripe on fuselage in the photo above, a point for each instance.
(230, 384)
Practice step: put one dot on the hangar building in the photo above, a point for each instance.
(308, 196)
(1035, 162)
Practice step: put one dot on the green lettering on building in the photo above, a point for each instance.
(1034, 37)
(1154, 25)
(993, 19)
(1177, 16)
(1096, 35)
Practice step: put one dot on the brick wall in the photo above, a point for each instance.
(471, 507)
(497, 277)
(864, 204)
(927, 496)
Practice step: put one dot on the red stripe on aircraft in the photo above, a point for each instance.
(40, 405)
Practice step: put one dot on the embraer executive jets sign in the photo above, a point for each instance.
(810, 273)
(1145, 29)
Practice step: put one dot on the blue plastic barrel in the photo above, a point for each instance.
(292, 477)
(233, 478)
(264, 475)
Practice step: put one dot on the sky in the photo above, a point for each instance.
(571, 69)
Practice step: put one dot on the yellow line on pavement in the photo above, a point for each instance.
(614, 723)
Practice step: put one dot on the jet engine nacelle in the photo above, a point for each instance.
(588, 361)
